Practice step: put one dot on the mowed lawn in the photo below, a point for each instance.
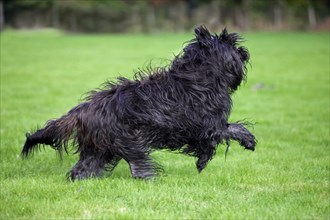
(286, 96)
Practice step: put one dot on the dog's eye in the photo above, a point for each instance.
(244, 54)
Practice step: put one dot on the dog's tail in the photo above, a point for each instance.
(56, 133)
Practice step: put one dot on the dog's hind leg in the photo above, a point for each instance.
(89, 165)
(85, 168)
(141, 166)
(238, 132)
(93, 166)
(112, 162)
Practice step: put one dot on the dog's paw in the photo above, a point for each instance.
(202, 162)
(78, 174)
(249, 143)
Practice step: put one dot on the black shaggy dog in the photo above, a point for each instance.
(183, 107)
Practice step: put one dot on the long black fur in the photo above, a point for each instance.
(183, 107)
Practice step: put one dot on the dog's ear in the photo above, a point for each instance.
(232, 38)
(202, 34)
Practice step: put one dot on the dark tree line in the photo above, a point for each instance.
(164, 15)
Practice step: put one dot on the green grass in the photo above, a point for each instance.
(44, 74)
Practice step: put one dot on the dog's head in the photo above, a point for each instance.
(218, 56)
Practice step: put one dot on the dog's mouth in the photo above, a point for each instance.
(250, 145)
(250, 148)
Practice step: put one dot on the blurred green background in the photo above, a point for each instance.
(165, 15)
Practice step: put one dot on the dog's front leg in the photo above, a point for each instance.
(205, 152)
(238, 132)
